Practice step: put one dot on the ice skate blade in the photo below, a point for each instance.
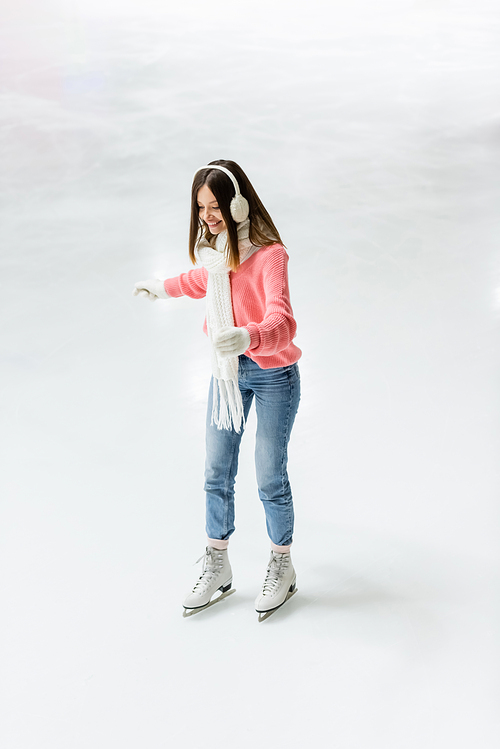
(190, 612)
(266, 614)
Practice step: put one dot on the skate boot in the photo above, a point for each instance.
(278, 586)
(216, 575)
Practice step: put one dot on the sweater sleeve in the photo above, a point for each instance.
(193, 284)
(278, 327)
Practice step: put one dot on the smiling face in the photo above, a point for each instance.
(209, 211)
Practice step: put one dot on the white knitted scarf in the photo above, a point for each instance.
(227, 405)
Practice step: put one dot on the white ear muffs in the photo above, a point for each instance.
(239, 205)
(239, 208)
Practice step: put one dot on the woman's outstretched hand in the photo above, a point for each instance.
(231, 341)
(152, 290)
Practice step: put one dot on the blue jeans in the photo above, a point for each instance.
(277, 395)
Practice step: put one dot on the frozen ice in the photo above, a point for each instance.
(372, 133)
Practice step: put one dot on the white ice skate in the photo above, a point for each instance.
(279, 585)
(216, 576)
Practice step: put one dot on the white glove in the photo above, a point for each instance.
(152, 290)
(231, 341)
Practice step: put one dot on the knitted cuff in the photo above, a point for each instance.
(254, 336)
(164, 293)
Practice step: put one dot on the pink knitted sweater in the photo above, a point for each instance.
(261, 304)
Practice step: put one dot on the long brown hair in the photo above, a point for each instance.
(262, 230)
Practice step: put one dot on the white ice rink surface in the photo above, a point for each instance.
(372, 133)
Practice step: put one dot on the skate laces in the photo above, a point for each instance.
(278, 565)
(212, 564)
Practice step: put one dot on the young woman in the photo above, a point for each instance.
(242, 272)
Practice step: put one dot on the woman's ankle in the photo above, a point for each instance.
(218, 543)
(281, 549)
